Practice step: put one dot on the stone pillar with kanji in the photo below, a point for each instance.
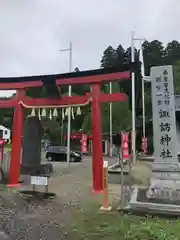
(165, 179)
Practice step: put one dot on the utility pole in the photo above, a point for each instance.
(143, 99)
(69, 109)
(133, 135)
(133, 39)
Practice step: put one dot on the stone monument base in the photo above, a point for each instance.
(141, 203)
(146, 158)
(163, 194)
(38, 170)
(164, 190)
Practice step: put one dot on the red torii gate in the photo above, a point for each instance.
(20, 101)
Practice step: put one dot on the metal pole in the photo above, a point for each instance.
(69, 110)
(110, 120)
(122, 179)
(62, 131)
(133, 103)
(143, 100)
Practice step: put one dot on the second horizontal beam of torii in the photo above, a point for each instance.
(65, 101)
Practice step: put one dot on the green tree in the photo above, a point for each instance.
(109, 58)
(176, 69)
(126, 86)
(120, 56)
(117, 58)
(153, 53)
(172, 52)
(121, 115)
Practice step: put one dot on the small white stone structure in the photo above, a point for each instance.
(5, 132)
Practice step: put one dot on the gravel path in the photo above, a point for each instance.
(23, 217)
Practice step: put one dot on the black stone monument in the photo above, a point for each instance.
(31, 150)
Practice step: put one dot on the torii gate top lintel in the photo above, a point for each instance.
(53, 82)
(74, 78)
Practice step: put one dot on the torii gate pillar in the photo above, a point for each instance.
(16, 144)
(97, 155)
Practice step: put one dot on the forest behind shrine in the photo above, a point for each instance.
(154, 53)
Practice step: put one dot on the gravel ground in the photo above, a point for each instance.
(22, 218)
(25, 217)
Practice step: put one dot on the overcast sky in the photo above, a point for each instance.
(32, 32)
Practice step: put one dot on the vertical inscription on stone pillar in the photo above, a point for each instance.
(164, 126)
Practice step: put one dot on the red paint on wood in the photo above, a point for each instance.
(97, 156)
(20, 85)
(117, 76)
(36, 102)
(16, 145)
(114, 97)
(9, 103)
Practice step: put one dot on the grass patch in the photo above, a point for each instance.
(7, 148)
(91, 224)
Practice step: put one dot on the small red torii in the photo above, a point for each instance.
(20, 101)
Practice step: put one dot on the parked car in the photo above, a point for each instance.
(59, 154)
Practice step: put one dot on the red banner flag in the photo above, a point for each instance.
(125, 146)
(144, 145)
(84, 143)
